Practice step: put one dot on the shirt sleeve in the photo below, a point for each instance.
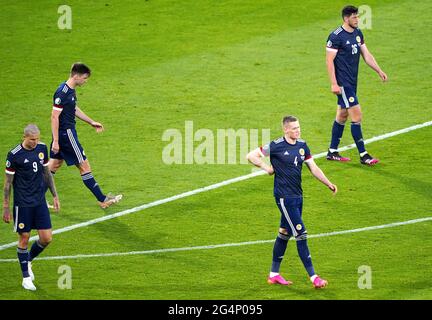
(362, 42)
(333, 43)
(10, 169)
(58, 101)
(265, 150)
(308, 155)
(45, 152)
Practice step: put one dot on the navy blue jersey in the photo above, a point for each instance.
(287, 161)
(64, 100)
(27, 168)
(347, 58)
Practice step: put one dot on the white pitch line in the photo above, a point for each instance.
(210, 187)
(223, 245)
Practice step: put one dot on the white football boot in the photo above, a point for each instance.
(27, 284)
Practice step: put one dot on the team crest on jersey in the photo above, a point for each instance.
(301, 151)
(299, 227)
(358, 39)
(41, 155)
(57, 101)
(21, 225)
(8, 164)
(351, 99)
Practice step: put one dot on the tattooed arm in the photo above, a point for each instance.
(49, 180)
(6, 197)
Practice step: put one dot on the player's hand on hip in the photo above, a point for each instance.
(336, 89)
(55, 147)
(383, 76)
(98, 126)
(6, 215)
(333, 188)
(56, 204)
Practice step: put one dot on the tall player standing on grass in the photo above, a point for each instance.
(65, 145)
(344, 47)
(287, 155)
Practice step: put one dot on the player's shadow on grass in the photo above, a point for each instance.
(113, 229)
(121, 233)
(422, 187)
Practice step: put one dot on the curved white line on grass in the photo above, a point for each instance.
(211, 187)
(223, 245)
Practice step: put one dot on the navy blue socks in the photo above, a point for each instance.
(35, 250)
(93, 186)
(279, 251)
(23, 256)
(304, 254)
(356, 132)
(337, 132)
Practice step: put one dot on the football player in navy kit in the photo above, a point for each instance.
(344, 47)
(287, 155)
(27, 172)
(65, 145)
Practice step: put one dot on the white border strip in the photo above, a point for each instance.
(344, 97)
(211, 187)
(223, 245)
(75, 146)
(293, 230)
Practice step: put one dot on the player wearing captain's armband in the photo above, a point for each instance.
(287, 155)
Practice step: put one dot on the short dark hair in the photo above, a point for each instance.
(347, 11)
(288, 119)
(80, 68)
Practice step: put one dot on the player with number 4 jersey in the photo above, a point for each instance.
(287, 155)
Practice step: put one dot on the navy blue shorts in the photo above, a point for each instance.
(70, 149)
(348, 98)
(31, 218)
(291, 215)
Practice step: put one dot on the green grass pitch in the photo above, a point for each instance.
(221, 64)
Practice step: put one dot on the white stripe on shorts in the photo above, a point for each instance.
(344, 97)
(16, 219)
(75, 146)
(294, 231)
